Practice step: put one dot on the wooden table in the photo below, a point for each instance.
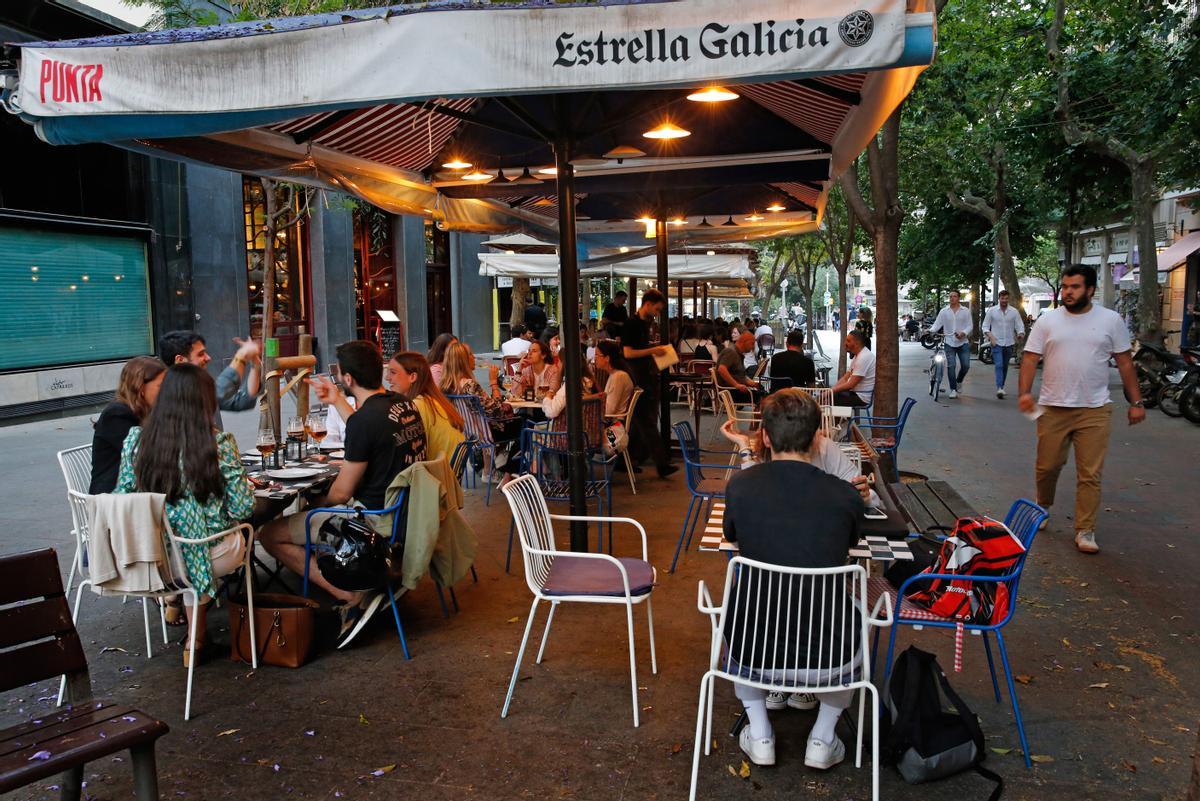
(931, 507)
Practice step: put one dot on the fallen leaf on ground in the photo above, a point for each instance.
(1129, 766)
(1184, 729)
(1158, 760)
(744, 771)
(1001, 751)
(108, 648)
(1100, 685)
(1041, 758)
(383, 770)
(676, 748)
(1157, 742)
(1023, 678)
(228, 732)
(363, 719)
(1066, 642)
(514, 619)
(732, 772)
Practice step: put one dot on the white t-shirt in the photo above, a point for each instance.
(864, 365)
(1075, 349)
(514, 347)
(950, 322)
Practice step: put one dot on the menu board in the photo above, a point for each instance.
(391, 333)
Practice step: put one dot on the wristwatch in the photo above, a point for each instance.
(1138, 404)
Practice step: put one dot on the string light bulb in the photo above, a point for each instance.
(713, 94)
(666, 131)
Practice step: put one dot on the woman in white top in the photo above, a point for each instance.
(556, 404)
(619, 387)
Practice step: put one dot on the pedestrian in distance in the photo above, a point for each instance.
(1003, 327)
(1075, 342)
(955, 322)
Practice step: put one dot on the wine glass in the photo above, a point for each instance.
(265, 444)
(295, 432)
(316, 428)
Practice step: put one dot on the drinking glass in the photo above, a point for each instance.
(316, 428)
(295, 433)
(265, 444)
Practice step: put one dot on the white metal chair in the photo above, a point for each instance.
(765, 603)
(626, 419)
(822, 395)
(76, 464)
(179, 586)
(557, 577)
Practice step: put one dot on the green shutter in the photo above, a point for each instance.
(69, 298)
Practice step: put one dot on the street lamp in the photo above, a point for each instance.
(783, 300)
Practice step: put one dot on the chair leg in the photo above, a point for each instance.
(632, 660)
(441, 599)
(512, 684)
(683, 532)
(708, 738)
(508, 559)
(1012, 693)
(474, 575)
(62, 685)
(453, 598)
(874, 654)
(876, 711)
(546, 632)
(187, 704)
(700, 707)
(489, 476)
(702, 513)
(987, 647)
(162, 619)
(629, 470)
(71, 781)
(650, 624)
(145, 773)
(862, 704)
(146, 624)
(396, 617)
(74, 568)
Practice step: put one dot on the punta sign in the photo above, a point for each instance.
(714, 41)
(70, 83)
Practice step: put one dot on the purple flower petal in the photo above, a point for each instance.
(129, 718)
(40, 755)
(310, 732)
(276, 766)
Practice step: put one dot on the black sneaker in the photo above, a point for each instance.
(354, 618)
(668, 470)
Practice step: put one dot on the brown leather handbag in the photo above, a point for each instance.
(283, 626)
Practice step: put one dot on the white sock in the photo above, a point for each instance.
(760, 722)
(827, 718)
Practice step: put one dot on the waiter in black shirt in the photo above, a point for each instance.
(615, 315)
(640, 340)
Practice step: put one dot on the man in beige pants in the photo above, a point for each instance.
(1075, 341)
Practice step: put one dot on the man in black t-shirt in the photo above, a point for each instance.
(384, 435)
(535, 318)
(640, 341)
(615, 315)
(789, 512)
(793, 364)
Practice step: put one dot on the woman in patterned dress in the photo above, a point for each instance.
(178, 453)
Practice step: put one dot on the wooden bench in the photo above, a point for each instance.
(932, 507)
(41, 642)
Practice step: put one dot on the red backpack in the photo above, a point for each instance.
(978, 546)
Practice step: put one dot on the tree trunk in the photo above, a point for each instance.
(887, 347)
(841, 367)
(520, 297)
(1149, 309)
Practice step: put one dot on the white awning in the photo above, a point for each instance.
(519, 241)
(1118, 258)
(1133, 277)
(680, 267)
(1093, 260)
(1175, 255)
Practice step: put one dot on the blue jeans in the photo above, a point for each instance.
(963, 354)
(1001, 354)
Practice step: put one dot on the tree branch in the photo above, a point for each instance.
(854, 198)
(963, 200)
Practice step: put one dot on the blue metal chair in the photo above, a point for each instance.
(479, 436)
(704, 489)
(544, 453)
(397, 532)
(888, 443)
(1023, 519)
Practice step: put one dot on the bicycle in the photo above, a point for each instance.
(937, 365)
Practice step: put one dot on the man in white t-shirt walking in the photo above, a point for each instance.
(1004, 330)
(955, 322)
(856, 387)
(1076, 340)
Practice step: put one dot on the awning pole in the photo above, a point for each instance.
(664, 286)
(568, 329)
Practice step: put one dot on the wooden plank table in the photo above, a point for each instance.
(931, 507)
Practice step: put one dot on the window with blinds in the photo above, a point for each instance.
(71, 298)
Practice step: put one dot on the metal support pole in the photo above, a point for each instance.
(568, 283)
(664, 286)
(707, 309)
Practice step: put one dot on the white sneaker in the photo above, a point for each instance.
(777, 700)
(1000, 393)
(953, 393)
(822, 755)
(803, 701)
(1085, 541)
(760, 752)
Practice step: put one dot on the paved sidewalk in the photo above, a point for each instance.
(1104, 648)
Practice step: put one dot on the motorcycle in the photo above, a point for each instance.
(1178, 383)
(1156, 368)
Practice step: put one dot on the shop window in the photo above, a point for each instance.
(291, 264)
(374, 272)
(437, 280)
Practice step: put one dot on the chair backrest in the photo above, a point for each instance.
(822, 395)
(458, 460)
(535, 530)
(38, 639)
(783, 618)
(690, 449)
(701, 366)
(77, 501)
(76, 464)
(902, 418)
(510, 363)
(593, 420)
(852, 453)
(475, 422)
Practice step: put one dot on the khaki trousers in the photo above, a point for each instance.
(1058, 429)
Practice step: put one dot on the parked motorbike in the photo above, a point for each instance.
(1157, 368)
(1178, 383)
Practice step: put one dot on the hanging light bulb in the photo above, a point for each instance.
(548, 171)
(478, 175)
(622, 152)
(457, 164)
(777, 206)
(754, 217)
(712, 94)
(678, 221)
(666, 131)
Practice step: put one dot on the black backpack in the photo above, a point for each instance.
(921, 738)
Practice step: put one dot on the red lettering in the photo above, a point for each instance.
(58, 88)
(71, 90)
(93, 87)
(46, 73)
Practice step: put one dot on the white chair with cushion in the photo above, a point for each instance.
(556, 576)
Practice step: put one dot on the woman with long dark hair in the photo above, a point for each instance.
(539, 368)
(437, 354)
(137, 389)
(409, 374)
(618, 389)
(178, 453)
